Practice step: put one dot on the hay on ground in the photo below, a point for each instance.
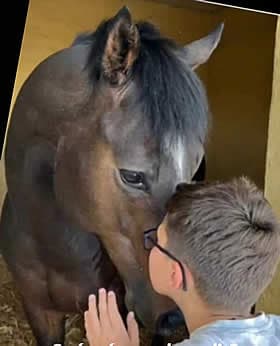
(15, 331)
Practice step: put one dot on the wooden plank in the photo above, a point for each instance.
(270, 301)
(191, 5)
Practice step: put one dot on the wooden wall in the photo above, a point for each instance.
(238, 79)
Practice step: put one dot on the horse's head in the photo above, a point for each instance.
(142, 132)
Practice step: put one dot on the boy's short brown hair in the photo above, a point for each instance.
(228, 236)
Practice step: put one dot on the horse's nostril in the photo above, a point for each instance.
(170, 321)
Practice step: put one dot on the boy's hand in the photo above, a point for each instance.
(107, 327)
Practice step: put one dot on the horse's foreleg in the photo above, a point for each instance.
(48, 326)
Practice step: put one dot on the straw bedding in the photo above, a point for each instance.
(15, 331)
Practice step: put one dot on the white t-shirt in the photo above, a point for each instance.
(262, 330)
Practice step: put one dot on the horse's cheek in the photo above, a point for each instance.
(72, 185)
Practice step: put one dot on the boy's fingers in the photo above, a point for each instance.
(114, 313)
(88, 327)
(91, 316)
(103, 309)
(133, 329)
(92, 325)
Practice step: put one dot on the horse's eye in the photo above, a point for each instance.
(135, 179)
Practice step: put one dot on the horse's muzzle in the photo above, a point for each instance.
(169, 321)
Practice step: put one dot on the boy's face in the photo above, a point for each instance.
(159, 261)
(165, 273)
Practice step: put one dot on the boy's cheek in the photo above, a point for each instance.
(151, 262)
(155, 266)
(152, 265)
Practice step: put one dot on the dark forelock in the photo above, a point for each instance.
(171, 96)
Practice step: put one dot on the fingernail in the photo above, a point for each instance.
(102, 290)
(131, 315)
(91, 297)
(111, 293)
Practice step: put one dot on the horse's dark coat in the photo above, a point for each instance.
(171, 97)
(91, 160)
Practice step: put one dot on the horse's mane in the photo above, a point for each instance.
(171, 96)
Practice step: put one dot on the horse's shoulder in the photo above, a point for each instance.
(58, 85)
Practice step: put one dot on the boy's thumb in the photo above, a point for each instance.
(132, 329)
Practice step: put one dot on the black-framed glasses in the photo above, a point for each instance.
(150, 240)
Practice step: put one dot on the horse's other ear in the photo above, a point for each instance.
(121, 49)
(199, 51)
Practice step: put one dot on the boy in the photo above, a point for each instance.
(219, 244)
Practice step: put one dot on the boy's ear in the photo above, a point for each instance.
(176, 276)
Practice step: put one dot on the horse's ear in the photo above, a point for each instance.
(198, 52)
(121, 49)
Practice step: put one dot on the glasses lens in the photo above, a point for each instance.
(148, 243)
(150, 239)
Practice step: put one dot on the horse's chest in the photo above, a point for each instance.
(70, 290)
(70, 295)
